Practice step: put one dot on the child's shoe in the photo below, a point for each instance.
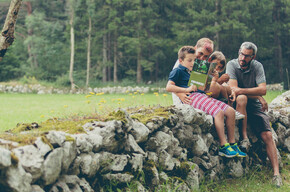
(227, 151)
(237, 149)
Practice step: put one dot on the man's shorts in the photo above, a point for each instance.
(258, 119)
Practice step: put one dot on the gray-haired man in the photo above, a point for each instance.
(247, 79)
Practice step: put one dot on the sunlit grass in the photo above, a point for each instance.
(27, 108)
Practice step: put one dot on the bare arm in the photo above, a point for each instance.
(255, 91)
(171, 87)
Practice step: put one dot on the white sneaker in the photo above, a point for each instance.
(239, 116)
(245, 145)
(277, 181)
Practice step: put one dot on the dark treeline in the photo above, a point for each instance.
(85, 41)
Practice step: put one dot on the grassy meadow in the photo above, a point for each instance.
(28, 108)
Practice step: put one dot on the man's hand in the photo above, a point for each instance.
(237, 90)
(264, 103)
(224, 78)
(184, 98)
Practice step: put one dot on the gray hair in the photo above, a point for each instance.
(249, 45)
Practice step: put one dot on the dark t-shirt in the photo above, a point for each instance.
(180, 76)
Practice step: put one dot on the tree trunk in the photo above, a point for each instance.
(32, 57)
(277, 41)
(109, 68)
(105, 58)
(139, 49)
(89, 52)
(7, 34)
(72, 47)
(216, 24)
(115, 58)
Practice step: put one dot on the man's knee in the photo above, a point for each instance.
(267, 136)
(242, 100)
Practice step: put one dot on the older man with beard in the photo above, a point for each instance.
(247, 79)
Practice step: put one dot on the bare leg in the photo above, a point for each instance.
(271, 150)
(219, 125)
(215, 89)
(230, 123)
(224, 91)
(241, 101)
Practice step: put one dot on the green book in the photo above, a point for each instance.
(201, 74)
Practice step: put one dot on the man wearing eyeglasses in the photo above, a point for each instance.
(247, 79)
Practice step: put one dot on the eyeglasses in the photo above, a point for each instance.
(246, 56)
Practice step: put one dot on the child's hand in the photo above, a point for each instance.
(191, 88)
(232, 97)
(224, 78)
(215, 76)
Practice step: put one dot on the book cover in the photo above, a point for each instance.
(201, 74)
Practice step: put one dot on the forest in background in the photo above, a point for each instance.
(86, 41)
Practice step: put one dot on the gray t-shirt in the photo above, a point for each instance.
(249, 78)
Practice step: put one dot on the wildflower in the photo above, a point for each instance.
(127, 91)
(209, 93)
(87, 96)
(164, 95)
(102, 93)
(42, 116)
(155, 93)
(135, 92)
(103, 101)
(65, 106)
(130, 94)
(88, 101)
(92, 93)
(133, 97)
(142, 93)
(52, 111)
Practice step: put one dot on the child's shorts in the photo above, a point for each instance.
(207, 104)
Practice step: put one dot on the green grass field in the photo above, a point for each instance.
(28, 108)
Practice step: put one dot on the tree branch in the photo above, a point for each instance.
(7, 34)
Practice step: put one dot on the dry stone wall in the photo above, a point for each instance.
(165, 153)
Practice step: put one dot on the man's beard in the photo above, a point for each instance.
(244, 64)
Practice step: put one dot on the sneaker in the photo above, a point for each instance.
(277, 181)
(245, 145)
(237, 149)
(227, 151)
(239, 116)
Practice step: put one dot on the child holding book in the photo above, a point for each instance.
(218, 88)
(178, 83)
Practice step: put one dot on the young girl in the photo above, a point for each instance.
(218, 88)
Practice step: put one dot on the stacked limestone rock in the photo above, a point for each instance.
(279, 112)
(166, 152)
(39, 89)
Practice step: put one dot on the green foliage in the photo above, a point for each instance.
(10, 67)
(146, 32)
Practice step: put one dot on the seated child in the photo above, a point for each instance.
(178, 83)
(218, 88)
